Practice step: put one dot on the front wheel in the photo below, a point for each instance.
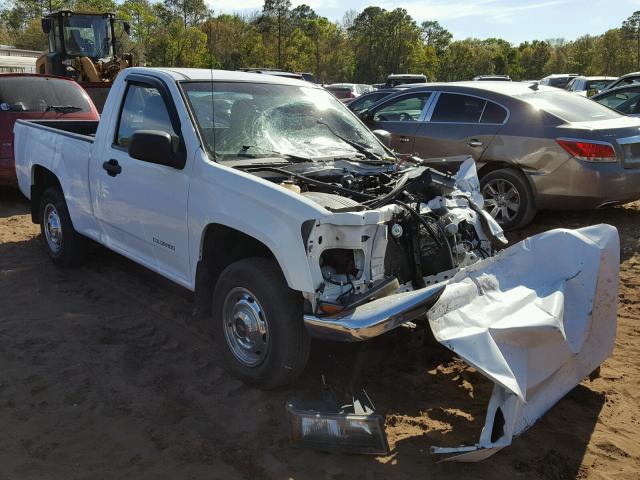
(508, 198)
(258, 324)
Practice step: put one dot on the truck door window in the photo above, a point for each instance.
(143, 109)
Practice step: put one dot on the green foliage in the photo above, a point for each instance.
(364, 47)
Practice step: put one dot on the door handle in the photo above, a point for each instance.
(112, 167)
(404, 139)
(475, 143)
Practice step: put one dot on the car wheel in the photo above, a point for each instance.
(508, 198)
(63, 244)
(258, 324)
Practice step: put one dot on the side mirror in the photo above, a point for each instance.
(154, 146)
(127, 27)
(46, 25)
(384, 137)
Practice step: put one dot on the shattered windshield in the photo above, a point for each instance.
(260, 120)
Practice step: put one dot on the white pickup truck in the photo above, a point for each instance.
(291, 220)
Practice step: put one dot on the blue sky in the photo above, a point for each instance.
(513, 20)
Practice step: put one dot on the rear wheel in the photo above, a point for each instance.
(508, 198)
(258, 324)
(63, 244)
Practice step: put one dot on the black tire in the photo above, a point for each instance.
(526, 205)
(71, 248)
(283, 353)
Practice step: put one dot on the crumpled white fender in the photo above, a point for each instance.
(536, 319)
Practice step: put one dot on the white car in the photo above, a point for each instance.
(589, 86)
(289, 219)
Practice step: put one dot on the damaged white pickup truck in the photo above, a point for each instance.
(272, 202)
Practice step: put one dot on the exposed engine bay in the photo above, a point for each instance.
(404, 242)
(394, 228)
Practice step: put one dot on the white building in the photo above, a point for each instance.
(18, 60)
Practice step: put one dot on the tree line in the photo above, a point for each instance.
(363, 47)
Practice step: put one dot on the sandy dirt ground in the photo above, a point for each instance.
(103, 376)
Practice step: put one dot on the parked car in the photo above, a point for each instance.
(295, 221)
(31, 96)
(624, 99)
(492, 78)
(588, 86)
(396, 79)
(558, 80)
(345, 92)
(628, 79)
(537, 147)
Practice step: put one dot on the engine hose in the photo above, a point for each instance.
(428, 229)
(397, 190)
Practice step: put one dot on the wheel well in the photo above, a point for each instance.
(222, 246)
(42, 179)
(491, 166)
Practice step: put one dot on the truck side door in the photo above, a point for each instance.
(142, 206)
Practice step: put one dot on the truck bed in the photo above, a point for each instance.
(79, 129)
(64, 148)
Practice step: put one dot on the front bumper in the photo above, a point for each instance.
(374, 318)
(578, 185)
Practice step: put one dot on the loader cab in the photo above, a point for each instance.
(77, 35)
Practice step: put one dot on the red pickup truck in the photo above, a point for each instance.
(36, 97)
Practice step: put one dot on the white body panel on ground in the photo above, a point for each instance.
(536, 319)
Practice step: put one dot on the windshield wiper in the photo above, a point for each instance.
(360, 148)
(286, 156)
(63, 108)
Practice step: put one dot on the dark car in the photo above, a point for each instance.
(36, 97)
(628, 79)
(396, 79)
(558, 80)
(625, 99)
(536, 147)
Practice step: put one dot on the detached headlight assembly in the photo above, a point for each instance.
(353, 428)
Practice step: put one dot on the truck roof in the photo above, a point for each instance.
(221, 75)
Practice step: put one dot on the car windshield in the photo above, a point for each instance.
(568, 107)
(261, 120)
(87, 36)
(39, 94)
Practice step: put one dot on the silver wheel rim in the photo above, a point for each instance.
(245, 327)
(52, 228)
(501, 200)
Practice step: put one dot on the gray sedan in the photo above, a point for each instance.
(536, 147)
